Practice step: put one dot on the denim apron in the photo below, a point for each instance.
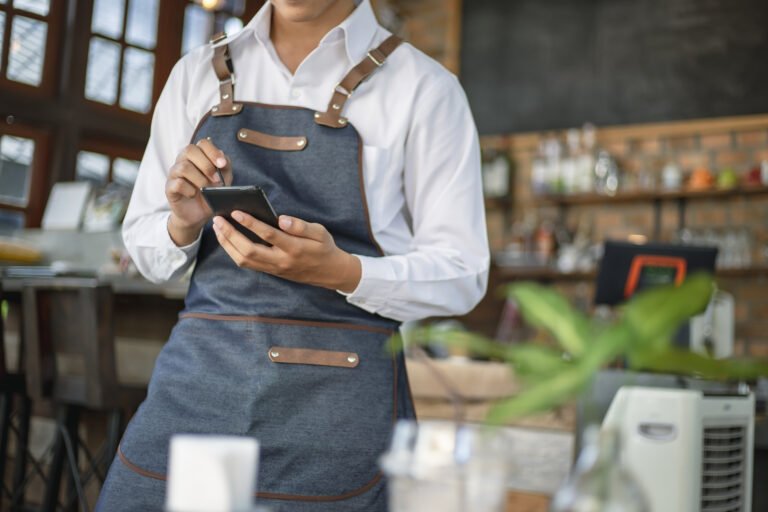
(292, 365)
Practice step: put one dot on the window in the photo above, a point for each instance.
(105, 164)
(25, 40)
(22, 155)
(200, 23)
(121, 53)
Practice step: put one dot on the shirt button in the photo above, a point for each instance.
(295, 94)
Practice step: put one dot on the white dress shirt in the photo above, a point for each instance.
(421, 162)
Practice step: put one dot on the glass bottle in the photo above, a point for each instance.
(599, 482)
(606, 174)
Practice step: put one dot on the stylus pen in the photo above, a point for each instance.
(221, 177)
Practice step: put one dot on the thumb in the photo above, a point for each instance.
(301, 228)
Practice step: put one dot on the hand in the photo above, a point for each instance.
(196, 167)
(303, 252)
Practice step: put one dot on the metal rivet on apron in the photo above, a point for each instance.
(300, 142)
(234, 107)
(215, 109)
(317, 115)
(336, 106)
(351, 359)
(274, 353)
(243, 135)
(226, 96)
(342, 121)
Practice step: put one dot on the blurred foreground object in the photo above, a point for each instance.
(211, 474)
(600, 482)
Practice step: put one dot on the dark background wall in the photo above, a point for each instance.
(548, 64)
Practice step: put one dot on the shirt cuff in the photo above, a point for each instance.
(177, 256)
(376, 281)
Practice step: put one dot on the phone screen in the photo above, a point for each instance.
(249, 199)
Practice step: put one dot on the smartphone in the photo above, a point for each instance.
(249, 199)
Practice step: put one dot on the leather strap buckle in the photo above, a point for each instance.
(342, 90)
(381, 58)
(230, 79)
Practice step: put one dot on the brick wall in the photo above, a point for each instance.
(739, 143)
(433, 26)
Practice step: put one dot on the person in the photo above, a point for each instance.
(368, 152)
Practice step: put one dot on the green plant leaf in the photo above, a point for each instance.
(475, 344)
(546, 308)
(561, 387)
(535, 363)
(679, 361)
(543, 396)
(655, 314)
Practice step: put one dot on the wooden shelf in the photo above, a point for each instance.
(542, 274)
(651, 195)
(550, 274)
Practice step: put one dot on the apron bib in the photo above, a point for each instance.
(293, 365)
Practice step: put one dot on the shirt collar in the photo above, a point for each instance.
(357, 29)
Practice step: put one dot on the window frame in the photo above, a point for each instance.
(54, 20)
(33, 210)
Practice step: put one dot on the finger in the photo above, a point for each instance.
(264, 230)
(180, 187)
(214, 154)
(217, 156)
(199, 159)
(188, 171)
(303, 229)
(240, 243)
(238, 257)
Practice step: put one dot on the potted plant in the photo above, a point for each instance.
(554, 374)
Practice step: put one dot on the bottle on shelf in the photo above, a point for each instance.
(671, 176)
(585, 166)
(553, 151)
(496, 174)
(545, 243)
(569, 163)
(606, 174)
(600, 483)
(539, 171)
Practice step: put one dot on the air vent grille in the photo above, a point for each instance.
(723, 467)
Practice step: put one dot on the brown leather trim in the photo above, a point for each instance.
(222, 62)
(288, 355)
(357, 75)
(268, 141)
(265, 495)
(298, 497)
(285, 321)
(222, 66)
(136, 469)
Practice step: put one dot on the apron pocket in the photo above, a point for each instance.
(265, 140)
(287, 355)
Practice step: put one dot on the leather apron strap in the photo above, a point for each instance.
(222, 66)
(357, 75)
(225, 72)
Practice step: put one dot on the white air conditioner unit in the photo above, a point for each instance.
(690, 451)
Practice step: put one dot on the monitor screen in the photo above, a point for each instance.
(627, 268)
